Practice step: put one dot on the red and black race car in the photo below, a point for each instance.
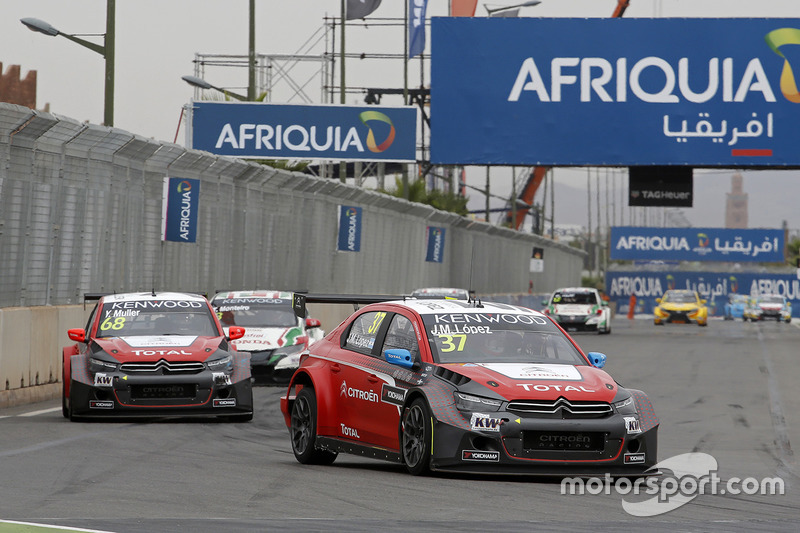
(464, 386)
(155, 354)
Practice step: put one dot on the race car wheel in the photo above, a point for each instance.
(304, 430)
(416, 438)
(64, 408)
(71, 410)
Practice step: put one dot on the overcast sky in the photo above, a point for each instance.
(156, 43)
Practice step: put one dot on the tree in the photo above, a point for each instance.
(417, 192)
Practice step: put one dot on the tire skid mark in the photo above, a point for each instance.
(783, 446)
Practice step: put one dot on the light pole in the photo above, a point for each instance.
(107, 51)
(200, 83)
(491, 11)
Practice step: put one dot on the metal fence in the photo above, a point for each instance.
(80, 211)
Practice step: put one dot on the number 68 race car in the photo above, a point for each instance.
(464, 386)
(155, 354)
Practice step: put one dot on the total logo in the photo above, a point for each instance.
(349, 432)
(544, 388)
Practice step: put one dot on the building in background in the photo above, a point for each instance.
(736, 205)
(15, 90)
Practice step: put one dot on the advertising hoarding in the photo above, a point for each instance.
(714, 287)
(537, 91)
(330, 132)
(697, 244)
(179, 206)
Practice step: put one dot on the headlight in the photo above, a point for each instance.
(468, 402)
(626, 406)
(98, 365)
(223, 364)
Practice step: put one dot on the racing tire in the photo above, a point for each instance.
(72, 417)
(415, 438)
(65, 411)
(303, 430)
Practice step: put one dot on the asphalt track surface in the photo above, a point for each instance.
(728, 390)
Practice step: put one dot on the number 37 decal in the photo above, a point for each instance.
(448, 344)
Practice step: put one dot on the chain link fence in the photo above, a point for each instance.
(81, 207)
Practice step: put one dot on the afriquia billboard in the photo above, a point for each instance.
(179, 205)
(435, 244)
(349, 234)
(535, 91)
(332, 132)
(697, 244)
(714, 287)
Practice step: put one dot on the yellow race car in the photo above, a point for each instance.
(681, 307)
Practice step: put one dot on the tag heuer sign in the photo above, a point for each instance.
(660, 186)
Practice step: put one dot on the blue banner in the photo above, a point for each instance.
(180, 203)
(712, 286)
(349, 229)
(435, 244)
(697, 244)
(416, 26)
(333, 132)
(578, 91)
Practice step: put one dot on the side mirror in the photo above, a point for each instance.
(597, 359)
(400, 357)
(544, 302)
(78, 335)
(658, 300)
(235, 332)
(702, 301)
(312, 323)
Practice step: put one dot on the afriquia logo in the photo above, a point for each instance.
(670, 282)
(702, 239)
(351, 212)
(734, 284)
(184, 186)
(776, 39)
(367, 116)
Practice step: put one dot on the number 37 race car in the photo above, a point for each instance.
(464, 386)
(155, 354)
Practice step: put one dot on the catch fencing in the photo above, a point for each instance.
(81, 208)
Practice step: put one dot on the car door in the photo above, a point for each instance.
(389, 383)
(352, 376)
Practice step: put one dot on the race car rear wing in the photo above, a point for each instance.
(299, 300)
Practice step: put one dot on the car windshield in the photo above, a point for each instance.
(582, 298)
(771, 299)
(255, 312)
(498, 338)
(679, 297)
(151, 317)
(739, 298)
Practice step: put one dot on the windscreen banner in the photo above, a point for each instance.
(349, 239)
(329, 132)
(435, 244)
(714, 287)
(179, 206)
(697, 244)
(616, 91)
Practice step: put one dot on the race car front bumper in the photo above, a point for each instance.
(549, 447)
(204, 394)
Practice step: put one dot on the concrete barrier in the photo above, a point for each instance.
(31, 339)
